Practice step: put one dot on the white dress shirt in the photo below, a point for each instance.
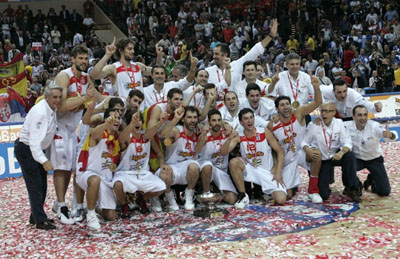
(315, 137)
(301, 87)
(240, 87)
(234, 120)
(39, 129)
(345, 108)
(265, 109)
(152, 96)
(366, 142)
(216, 75)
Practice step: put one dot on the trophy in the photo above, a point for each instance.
(209, 210)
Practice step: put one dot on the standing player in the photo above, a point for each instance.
(290, 130)
(221, 51)
(124, 74)
(76, 92)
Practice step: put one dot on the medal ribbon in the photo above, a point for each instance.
(252, 150)
(77, 82)
(188, 144)
(138, 148)
(132, 77)
(162, 95)
(219, 78)
(291, 87)
(291, 138)
(330, 137)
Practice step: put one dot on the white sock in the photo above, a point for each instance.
(79, 206)
(91, 213)
(61, 204)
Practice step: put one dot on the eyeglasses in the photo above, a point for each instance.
(326, 111)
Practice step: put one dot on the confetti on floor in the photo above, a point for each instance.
(298, 229)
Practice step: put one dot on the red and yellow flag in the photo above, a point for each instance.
(13, 74)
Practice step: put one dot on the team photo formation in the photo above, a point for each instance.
(195, 131)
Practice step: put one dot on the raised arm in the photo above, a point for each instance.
(170, 130)
(197, 89)
(231, 142)
(101, 70)
(310, 107)
(97, 133)
(202, 137)
(151, 131)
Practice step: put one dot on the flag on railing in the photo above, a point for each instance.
(13, 74)
(17, 104)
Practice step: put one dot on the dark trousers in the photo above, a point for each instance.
(349, 173)
(35, 179)
(380, 181)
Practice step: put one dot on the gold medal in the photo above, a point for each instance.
(167, 142)
(113, 167)
(296, 104)
(293, 148)
(255, 163)
(267, 80)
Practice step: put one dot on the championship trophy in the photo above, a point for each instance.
(208, 208)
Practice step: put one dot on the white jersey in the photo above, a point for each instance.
(256, 150)
(128, 78)
(76, 86)
(265, 109)
(198, 100)
(288, 133)
(240, 88)
(136, 156)
(211, 150)
(234, 120)
(99, 160)
(152, 96)
(182, 149)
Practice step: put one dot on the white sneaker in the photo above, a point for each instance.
(155, 204)
(79, 215)
(189, 194)
(267, 197)
(243, 202)
(64, 216)
(55, 207)
(170, 197)
(93, 222)
(315, 197)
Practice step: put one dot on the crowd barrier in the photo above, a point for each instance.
(9, 166)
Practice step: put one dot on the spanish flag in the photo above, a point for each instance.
(112, 146)
(13, 74)
(153, 161)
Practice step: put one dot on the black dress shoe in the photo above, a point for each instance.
(367, 182)
(125, 212)
(354, 195)
(32, 222)
(142, 204)
(45, 225)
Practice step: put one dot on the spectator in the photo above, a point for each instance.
(292, 43)
(64, 15)
(310, 65)
(56, 37)
(88, 22)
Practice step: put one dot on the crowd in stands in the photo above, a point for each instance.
(357, 40)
